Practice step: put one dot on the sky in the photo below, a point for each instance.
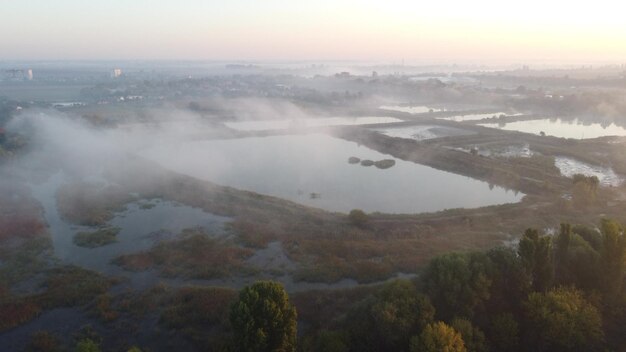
(365, 30)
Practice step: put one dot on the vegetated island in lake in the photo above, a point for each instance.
(98, 238)
(381, 164)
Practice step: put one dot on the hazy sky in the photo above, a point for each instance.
(387, 30)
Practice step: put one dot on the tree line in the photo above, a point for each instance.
(559, 292)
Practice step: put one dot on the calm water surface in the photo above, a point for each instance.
(569, 167)
(262, 125)
(314, 170)
(141, 227)
(561, 128)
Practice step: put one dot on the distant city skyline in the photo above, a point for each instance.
(440, 31)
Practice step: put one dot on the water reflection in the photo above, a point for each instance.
(142, 224)
(561, 128)
(570, 167)
(295, 166)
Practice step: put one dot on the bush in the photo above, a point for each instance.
(358, 217)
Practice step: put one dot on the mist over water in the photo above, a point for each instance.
(307, 176)
(313, 169)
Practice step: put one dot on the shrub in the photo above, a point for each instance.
(358, 217)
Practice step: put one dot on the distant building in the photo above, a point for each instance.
(17, 75)
(343, 74)
(116, 73)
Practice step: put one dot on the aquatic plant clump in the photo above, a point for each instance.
(381, 164)
(97, 238)
(193, 254)
(385, 163)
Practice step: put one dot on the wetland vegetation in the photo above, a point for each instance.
(174, 207)
(97, 238)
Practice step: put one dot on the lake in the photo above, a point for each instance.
(313, 169)
(561, 128)
(263, 125)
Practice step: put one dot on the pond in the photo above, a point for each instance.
(313, 170)
(569, 167)
(142, 224)
(561, 128)
(264, 125)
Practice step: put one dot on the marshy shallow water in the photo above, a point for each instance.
(141, 224)
(561, 128)
(313, 169)
(569, 167)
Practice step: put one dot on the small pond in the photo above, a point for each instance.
(561, 128)
(569, 167)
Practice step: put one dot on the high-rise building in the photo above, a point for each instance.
(116, 73)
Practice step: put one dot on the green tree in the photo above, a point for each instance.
(386, 320)
(592, 236)
(576, 261)
(504, 333)
(358, 217)
(510, 283)
(87, 345)
(263, 319)
(438, 337)
(399, 312)
(536, 254)
(330, 341)
(613, 260)
(457, 283)
(473, 337)
(584, 190)
(361, 327)
(561, 254)
(563, 320)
